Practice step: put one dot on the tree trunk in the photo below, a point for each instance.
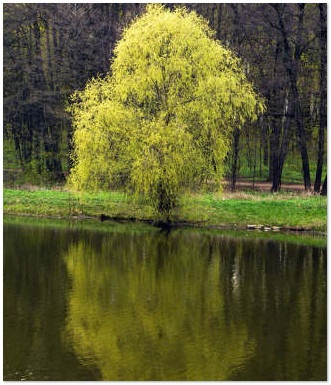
(219, 20)
(324, 187)
(271, 154)
(323, 96)
(274, 170)
(302, 141)
(279, 146)
(292, 66)
(264, 140)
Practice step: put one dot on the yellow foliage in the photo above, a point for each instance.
(162, 120)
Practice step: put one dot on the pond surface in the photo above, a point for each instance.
(135, 303)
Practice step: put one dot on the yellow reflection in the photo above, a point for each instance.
(145, 308)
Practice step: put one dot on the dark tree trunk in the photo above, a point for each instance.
(276, 175)
(323, 96)
(218, 22)
(274, 129)
(49, 58)
(324, 187)
(302, 141)
(271, 156)
(296, 101)
(279, 147)
(264, 140)
(274, 170)
(292, 65)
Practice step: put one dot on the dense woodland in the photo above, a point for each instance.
(51, 50)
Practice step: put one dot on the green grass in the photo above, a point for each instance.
(285, 210)
(56, 203)
(228, 210)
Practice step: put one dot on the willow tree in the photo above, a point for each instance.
(160, 122)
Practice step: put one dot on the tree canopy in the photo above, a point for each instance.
(161, 120)
(51, 50)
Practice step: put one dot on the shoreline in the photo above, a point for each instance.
(93, 224)
(169, 225)
(290, 213)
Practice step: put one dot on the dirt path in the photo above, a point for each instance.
(243, 184)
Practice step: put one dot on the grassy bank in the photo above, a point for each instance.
(228, 210)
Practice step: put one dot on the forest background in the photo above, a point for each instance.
(52, 50)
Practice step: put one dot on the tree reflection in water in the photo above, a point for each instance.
(192, 306)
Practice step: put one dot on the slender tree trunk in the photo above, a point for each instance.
(219, 21)
(292, 66)
(264, 139)
(49, 59)
(293, 75)
(275, 169)
(274, 111)
(323, 96)
(302, 141)
(39, 77)
(280, 149)
(324, 187)
(298, 110)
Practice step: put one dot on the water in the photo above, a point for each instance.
(134, 303)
